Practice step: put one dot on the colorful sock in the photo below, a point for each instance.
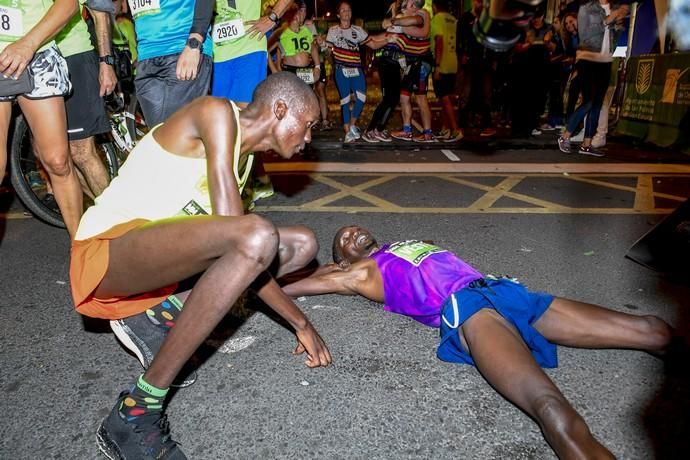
(428, 131)
(407, 128)
(143, 399)
(165, 313)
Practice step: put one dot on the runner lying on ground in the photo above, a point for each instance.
(493, 323)
(173, 212)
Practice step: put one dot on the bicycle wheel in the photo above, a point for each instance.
(136, 124)
(28, 177)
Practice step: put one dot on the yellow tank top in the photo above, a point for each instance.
(155, 184)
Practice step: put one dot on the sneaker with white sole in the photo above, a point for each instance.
(144, 338)
(356, 132)
(564, 144)
(590, 150)
(579, 137)
(402, 135)
(368, 136)
(349, 137)
(536, 132)
(383, 136)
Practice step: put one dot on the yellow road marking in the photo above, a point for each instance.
(644, 195)
(501, 168)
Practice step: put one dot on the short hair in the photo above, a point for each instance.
(286, 86)
(337, 254)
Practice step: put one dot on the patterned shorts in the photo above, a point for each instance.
(50, 74)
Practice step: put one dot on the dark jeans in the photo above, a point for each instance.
(159, 91)
(594, 79)
(389, 72)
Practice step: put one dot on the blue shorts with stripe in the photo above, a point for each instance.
(511, 300)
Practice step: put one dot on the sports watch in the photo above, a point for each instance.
(108, 59)
(194, 43)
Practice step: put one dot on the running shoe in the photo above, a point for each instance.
(579, 137)
(144, 338)
(356, 132)
(487, 132)
(589, 150)
(326, 125)
(547, 127)
(146, 437)
(402, 135)
(368, 136)
(442, 135)
(424, 138)
(564, 144)
(536, 132)
(455, 136)
(261, 190)
(349, 137)
(383, 136)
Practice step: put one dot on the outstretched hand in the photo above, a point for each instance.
(309, 341)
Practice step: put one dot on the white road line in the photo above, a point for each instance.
(451, 156)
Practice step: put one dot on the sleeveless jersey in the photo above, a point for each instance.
(18, 17)
(228, 30)
(292, 42)
(155, 184)
(418, 278)
(345, 43)
(74, 38)
(163, 26)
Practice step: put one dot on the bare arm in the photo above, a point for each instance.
(106, 73)
(361, 278)
(16, 56)
(260, 27)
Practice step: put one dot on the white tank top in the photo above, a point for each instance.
(155, 184)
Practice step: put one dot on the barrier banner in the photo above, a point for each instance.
(656, 104)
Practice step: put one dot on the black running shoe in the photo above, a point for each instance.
(146, 437)
(144, 338)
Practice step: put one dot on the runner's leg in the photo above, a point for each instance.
(507, 364)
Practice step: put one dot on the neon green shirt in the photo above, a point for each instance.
(229, 29)
(74, 38)
(124, 35)
(18, 17)
(444, 25)
(292, 43)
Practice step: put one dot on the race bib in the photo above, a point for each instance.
(413, 251)
(402, 62)
(306, 75)
(144, 7)
(11, 24)
(226, 31)
(350, 72)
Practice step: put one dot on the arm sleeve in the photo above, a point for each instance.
(106, 6)
(203, 13)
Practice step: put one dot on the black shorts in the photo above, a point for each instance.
(416, 78)
(86, 115)
(445, 85)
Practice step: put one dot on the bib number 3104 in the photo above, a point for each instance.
(144, 7)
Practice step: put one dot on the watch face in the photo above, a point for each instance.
(193, 43)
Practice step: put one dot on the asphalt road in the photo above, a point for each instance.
(387, 396)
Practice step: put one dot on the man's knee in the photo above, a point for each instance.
(305, 246)
(82, 150)
(260, 241)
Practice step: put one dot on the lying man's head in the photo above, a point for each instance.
(353, 243)
(293, 104)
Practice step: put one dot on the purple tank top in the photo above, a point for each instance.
(418, 277)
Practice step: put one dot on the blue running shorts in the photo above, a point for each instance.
(511, 300)
(236, 79)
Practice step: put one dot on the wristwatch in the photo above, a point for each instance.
(273, 17)
(194, 43)
(108, 59)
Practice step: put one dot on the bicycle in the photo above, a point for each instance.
(28, 178)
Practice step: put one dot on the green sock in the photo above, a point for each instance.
(143, 399)
(165, 313)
